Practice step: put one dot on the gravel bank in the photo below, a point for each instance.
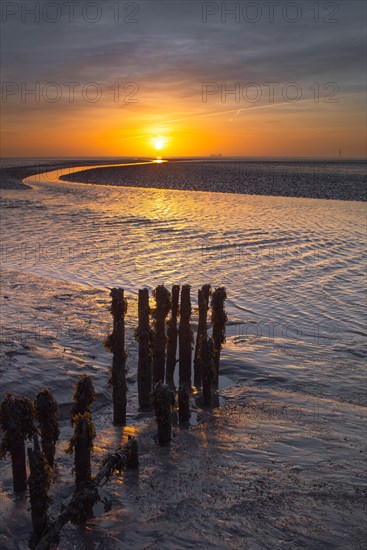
(319, 180)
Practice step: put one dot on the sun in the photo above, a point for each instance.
(159, 142)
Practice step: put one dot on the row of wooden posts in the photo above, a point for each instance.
(21, 418)
(158, 345)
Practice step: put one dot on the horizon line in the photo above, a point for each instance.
(212, 157)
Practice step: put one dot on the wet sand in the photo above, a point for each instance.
(268, 468)
(12, 173)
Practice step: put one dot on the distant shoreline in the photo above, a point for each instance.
(11, 176)
(325, 180)
(329, 179)
(107, 160)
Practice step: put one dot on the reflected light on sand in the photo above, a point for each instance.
(127, 431)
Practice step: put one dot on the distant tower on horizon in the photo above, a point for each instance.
(340, 154)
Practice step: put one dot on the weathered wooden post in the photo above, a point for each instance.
(81, 505)
(219, 318)
(82, 443)
(117, 340)
(208, 368)
(83, 396)
(132, 454)
(84, 431)
(185, 338)
(183, 404)
(39, 483)
(144, 336)
(203, 302)
(172, 333)
(17, 422)
(162, 399)
(163, 305)
(46, 414)
(78, 511)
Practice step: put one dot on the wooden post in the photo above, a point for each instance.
(163, 305)
(118, 375)
(183, 404)
(208, 368)
(144, 336)
(82, 443)
(163, 398)
(46, 414)
(17, 422)
(78, 511)
(132, 454)
(172, 333)
(83, 396)
(219, 319)
(83, 500)
(203, 302)
(39, 484)
(185, 338)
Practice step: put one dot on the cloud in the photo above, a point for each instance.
(170, 46)
(170, 52)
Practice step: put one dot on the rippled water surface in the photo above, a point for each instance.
(293, 268)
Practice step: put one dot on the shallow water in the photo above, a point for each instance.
(293, 268)
(282, 459)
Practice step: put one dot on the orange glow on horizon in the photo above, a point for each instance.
(182, 131)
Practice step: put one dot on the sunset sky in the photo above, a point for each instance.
(176, 60)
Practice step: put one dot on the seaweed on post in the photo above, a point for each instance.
(162, 400)
(116, 342)
(218, 318)
(144, 336)
(172, 333)
(46, 414)
(39, 484)
(203, 303)
(163, 305)
(17, 421)
(126, 457)
(83, 396)
(185, 338)
(77, 512)
(82, 445)
(79, 508)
